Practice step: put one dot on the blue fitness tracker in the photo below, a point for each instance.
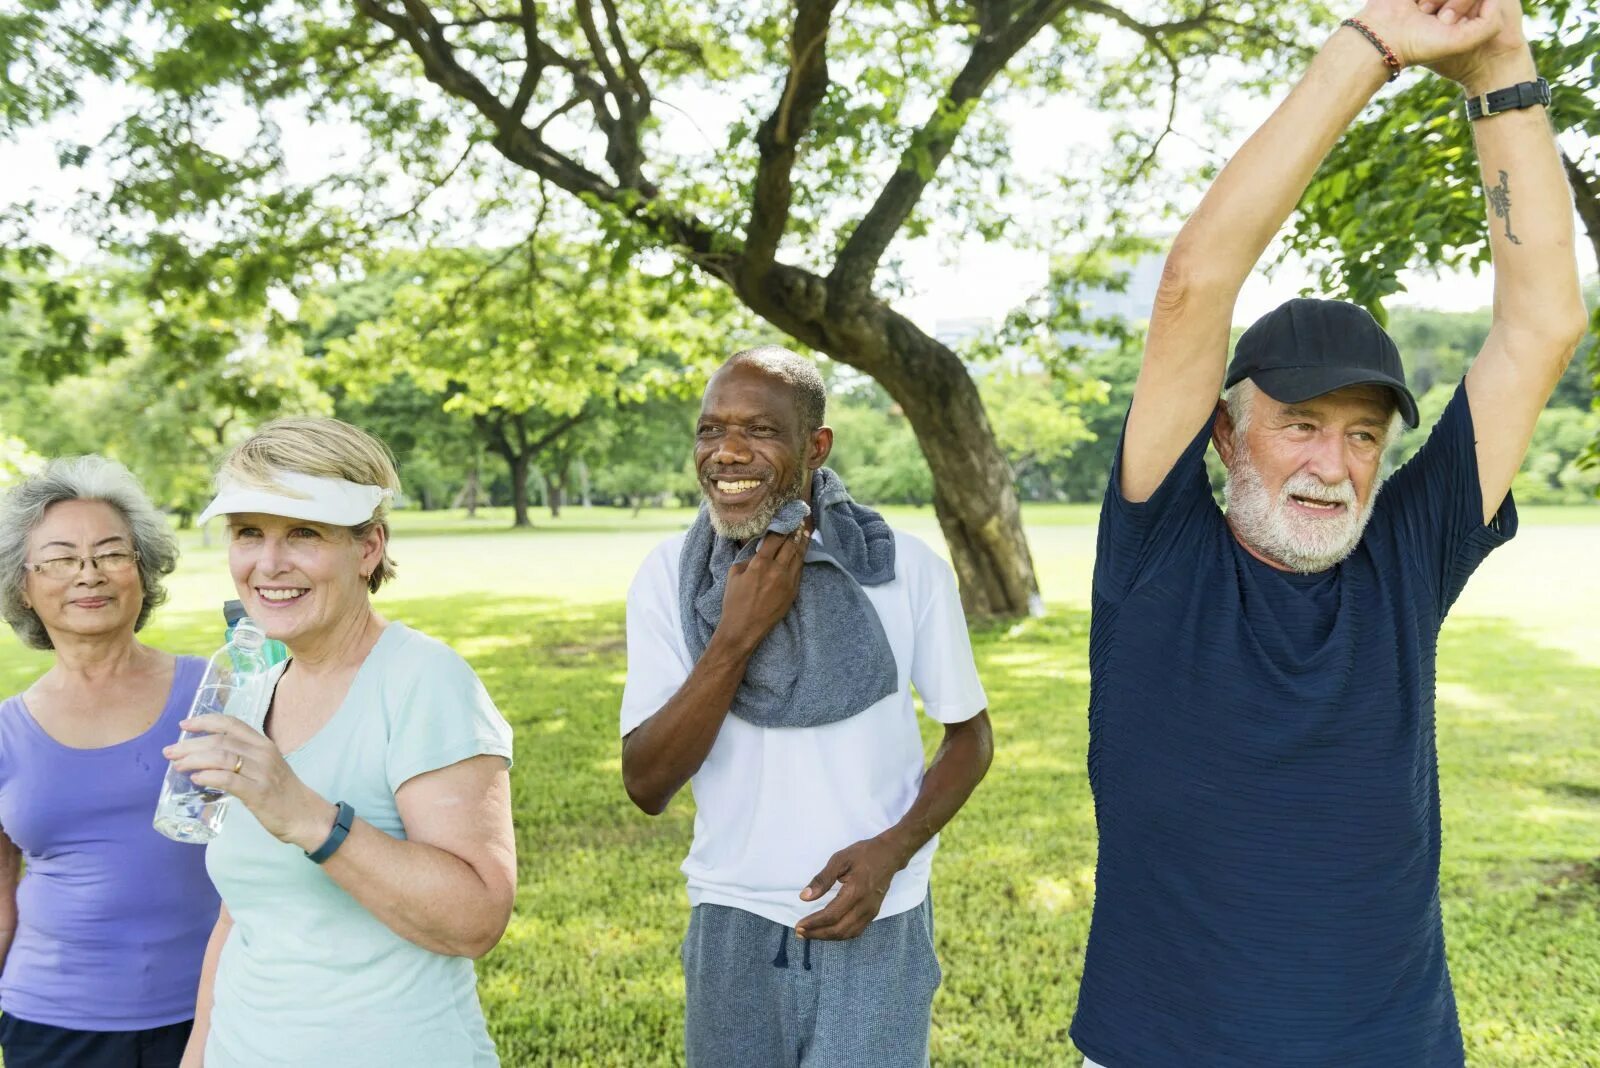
(336, 837)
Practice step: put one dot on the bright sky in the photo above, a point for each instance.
(950, 278)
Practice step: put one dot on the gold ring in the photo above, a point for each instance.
(238, 764)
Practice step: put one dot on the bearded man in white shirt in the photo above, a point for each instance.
(772, 651)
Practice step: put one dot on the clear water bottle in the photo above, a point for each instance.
(234, 685)
(232, 612)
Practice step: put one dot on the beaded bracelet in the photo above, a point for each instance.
(1390, 60)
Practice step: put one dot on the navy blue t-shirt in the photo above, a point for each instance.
(1261, 751)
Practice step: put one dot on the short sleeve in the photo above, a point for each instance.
(942, 668)
(1434, 506)
(658, 658)
(1137, 539)
(445, 717)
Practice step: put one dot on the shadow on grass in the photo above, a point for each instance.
(1519, 752)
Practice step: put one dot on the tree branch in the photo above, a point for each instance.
(591, 34)
(1586, 194)
(533, 68)
(852, 274)
(701, 244)
(641, 91)
(491, 426)
(543, 441)
(538, 131)
(433, 188)
(779, 135)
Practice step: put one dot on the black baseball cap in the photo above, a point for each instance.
(1306, 347)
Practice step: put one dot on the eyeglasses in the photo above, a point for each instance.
(65, 567)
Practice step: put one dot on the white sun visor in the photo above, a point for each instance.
(321, 500)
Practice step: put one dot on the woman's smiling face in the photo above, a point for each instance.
(300, 580)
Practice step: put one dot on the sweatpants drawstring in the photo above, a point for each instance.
(782, 959)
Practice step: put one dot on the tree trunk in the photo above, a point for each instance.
(518, 463)
(974, 494)
(554, 495)
(470, 491)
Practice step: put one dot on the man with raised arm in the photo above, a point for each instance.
(1261, 714)
(772, 651)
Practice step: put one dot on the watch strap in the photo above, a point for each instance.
(1521, 95)
(336, 837)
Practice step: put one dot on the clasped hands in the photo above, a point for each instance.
(1456, 39)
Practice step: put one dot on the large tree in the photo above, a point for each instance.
(834, 131)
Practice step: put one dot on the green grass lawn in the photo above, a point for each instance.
(588, 972)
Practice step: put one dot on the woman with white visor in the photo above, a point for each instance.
(369, 852)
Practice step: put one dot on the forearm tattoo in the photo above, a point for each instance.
(1500, 201)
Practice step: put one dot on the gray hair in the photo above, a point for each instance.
(80, 478)
(794, 371)
(1240, 399)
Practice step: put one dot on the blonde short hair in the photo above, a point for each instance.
(322, 448)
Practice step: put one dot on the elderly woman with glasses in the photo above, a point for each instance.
(369, 854)
(101, 941)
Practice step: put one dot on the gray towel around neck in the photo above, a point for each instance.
(829, 658)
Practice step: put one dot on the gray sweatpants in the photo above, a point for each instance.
(759, 997)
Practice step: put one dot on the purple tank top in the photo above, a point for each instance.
(112, 918)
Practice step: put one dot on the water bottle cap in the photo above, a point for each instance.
(247, 634)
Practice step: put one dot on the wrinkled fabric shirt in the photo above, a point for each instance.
(1261, 751)
(308, 976)
(772, 804)
(112, 917)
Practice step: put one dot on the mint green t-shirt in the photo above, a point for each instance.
(309, 977)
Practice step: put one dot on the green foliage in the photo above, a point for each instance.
(171, 393)
(875, 452)
(1554, 472)
(549, 356)
(643, 453)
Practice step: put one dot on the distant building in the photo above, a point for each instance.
(1132, 305)
(953, 333)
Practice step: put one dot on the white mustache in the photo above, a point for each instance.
(1313, 488)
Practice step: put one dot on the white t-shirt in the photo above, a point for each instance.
(774, 803)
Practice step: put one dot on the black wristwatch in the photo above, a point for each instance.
(1521, 95)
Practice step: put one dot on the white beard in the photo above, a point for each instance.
(758, 522)
(1272, 527)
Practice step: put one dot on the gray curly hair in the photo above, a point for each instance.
(79, 478)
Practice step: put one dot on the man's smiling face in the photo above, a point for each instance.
(752, 452)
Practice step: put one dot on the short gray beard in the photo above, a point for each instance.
(761, 519)
(1268, 527)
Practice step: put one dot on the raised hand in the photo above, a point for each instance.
(1506, 42)
(1422, 38)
